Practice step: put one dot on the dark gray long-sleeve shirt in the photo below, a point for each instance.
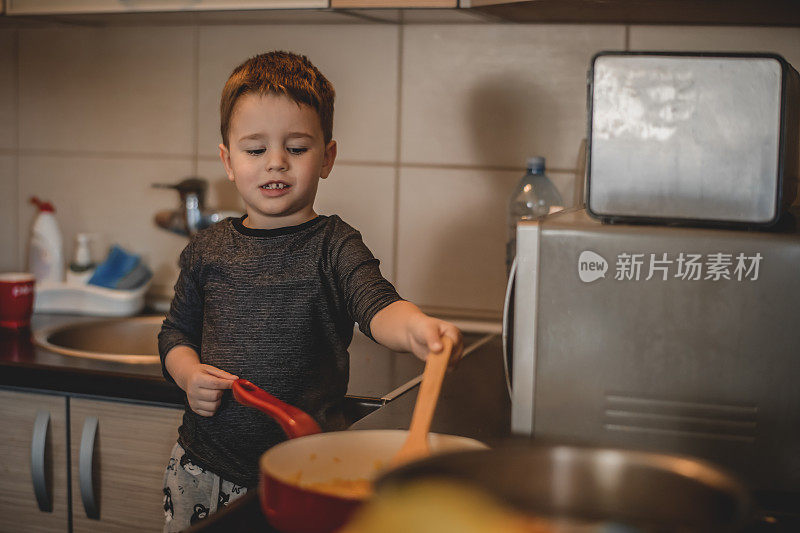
(276, 307)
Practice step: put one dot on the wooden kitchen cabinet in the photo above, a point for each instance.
(356, 4)
(751, 12)
(735, 12)
(50, 7)
(125, 461)
(123, 449)
(33, 423)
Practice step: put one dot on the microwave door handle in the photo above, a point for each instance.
(507, 333)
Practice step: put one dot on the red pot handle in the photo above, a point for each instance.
(294, 422)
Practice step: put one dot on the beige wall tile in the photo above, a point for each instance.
(495, 94)
(9, 254)
(784, 41)
(451, 237)
(363, 196)
(360, 61)
(112, 198)
(8, 89)
(121, 90)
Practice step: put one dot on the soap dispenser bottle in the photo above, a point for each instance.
(46, 250)
(82, 267)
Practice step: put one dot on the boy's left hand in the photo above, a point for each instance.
(425, 333)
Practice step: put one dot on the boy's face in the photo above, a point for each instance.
(276, 157)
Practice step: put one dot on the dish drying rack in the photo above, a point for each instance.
(61, 297)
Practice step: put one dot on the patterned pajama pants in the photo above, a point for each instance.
(192, 493)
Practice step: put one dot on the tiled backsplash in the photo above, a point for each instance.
(434, 123)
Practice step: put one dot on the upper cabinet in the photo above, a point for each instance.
(733, 12)
(681, 12)
(41, 7)
(355, 4)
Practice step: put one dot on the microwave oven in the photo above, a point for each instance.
(672, 339)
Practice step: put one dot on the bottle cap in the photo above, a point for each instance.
(536, 164)
(43, 206)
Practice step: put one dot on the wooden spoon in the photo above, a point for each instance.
(416, 444)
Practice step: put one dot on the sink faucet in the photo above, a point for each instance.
(191, 216)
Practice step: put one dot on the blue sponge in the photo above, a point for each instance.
(117, 265)
(135, 278)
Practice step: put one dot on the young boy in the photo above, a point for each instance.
(273, 296)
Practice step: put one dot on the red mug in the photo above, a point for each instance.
(16, 299)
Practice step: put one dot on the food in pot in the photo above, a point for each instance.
(358, 488)
(442, 506)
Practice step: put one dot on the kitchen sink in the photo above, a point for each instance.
(135, 340)
(125, 340)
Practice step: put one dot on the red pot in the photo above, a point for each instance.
(311, 457)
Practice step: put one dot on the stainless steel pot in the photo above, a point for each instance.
(645, 491)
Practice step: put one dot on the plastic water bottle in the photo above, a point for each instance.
(534, 196)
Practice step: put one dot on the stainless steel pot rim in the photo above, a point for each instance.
(684, 464)
(596, 483)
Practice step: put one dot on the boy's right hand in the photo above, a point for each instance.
(203, 384)
(204, 387)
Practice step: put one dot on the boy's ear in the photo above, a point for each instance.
(328, 159)
(225, 155)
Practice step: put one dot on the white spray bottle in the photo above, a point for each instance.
(46, 252)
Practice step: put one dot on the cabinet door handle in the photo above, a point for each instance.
(38, 461)
(85, 467)
(508, 333)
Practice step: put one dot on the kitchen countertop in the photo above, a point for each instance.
(377, 374)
